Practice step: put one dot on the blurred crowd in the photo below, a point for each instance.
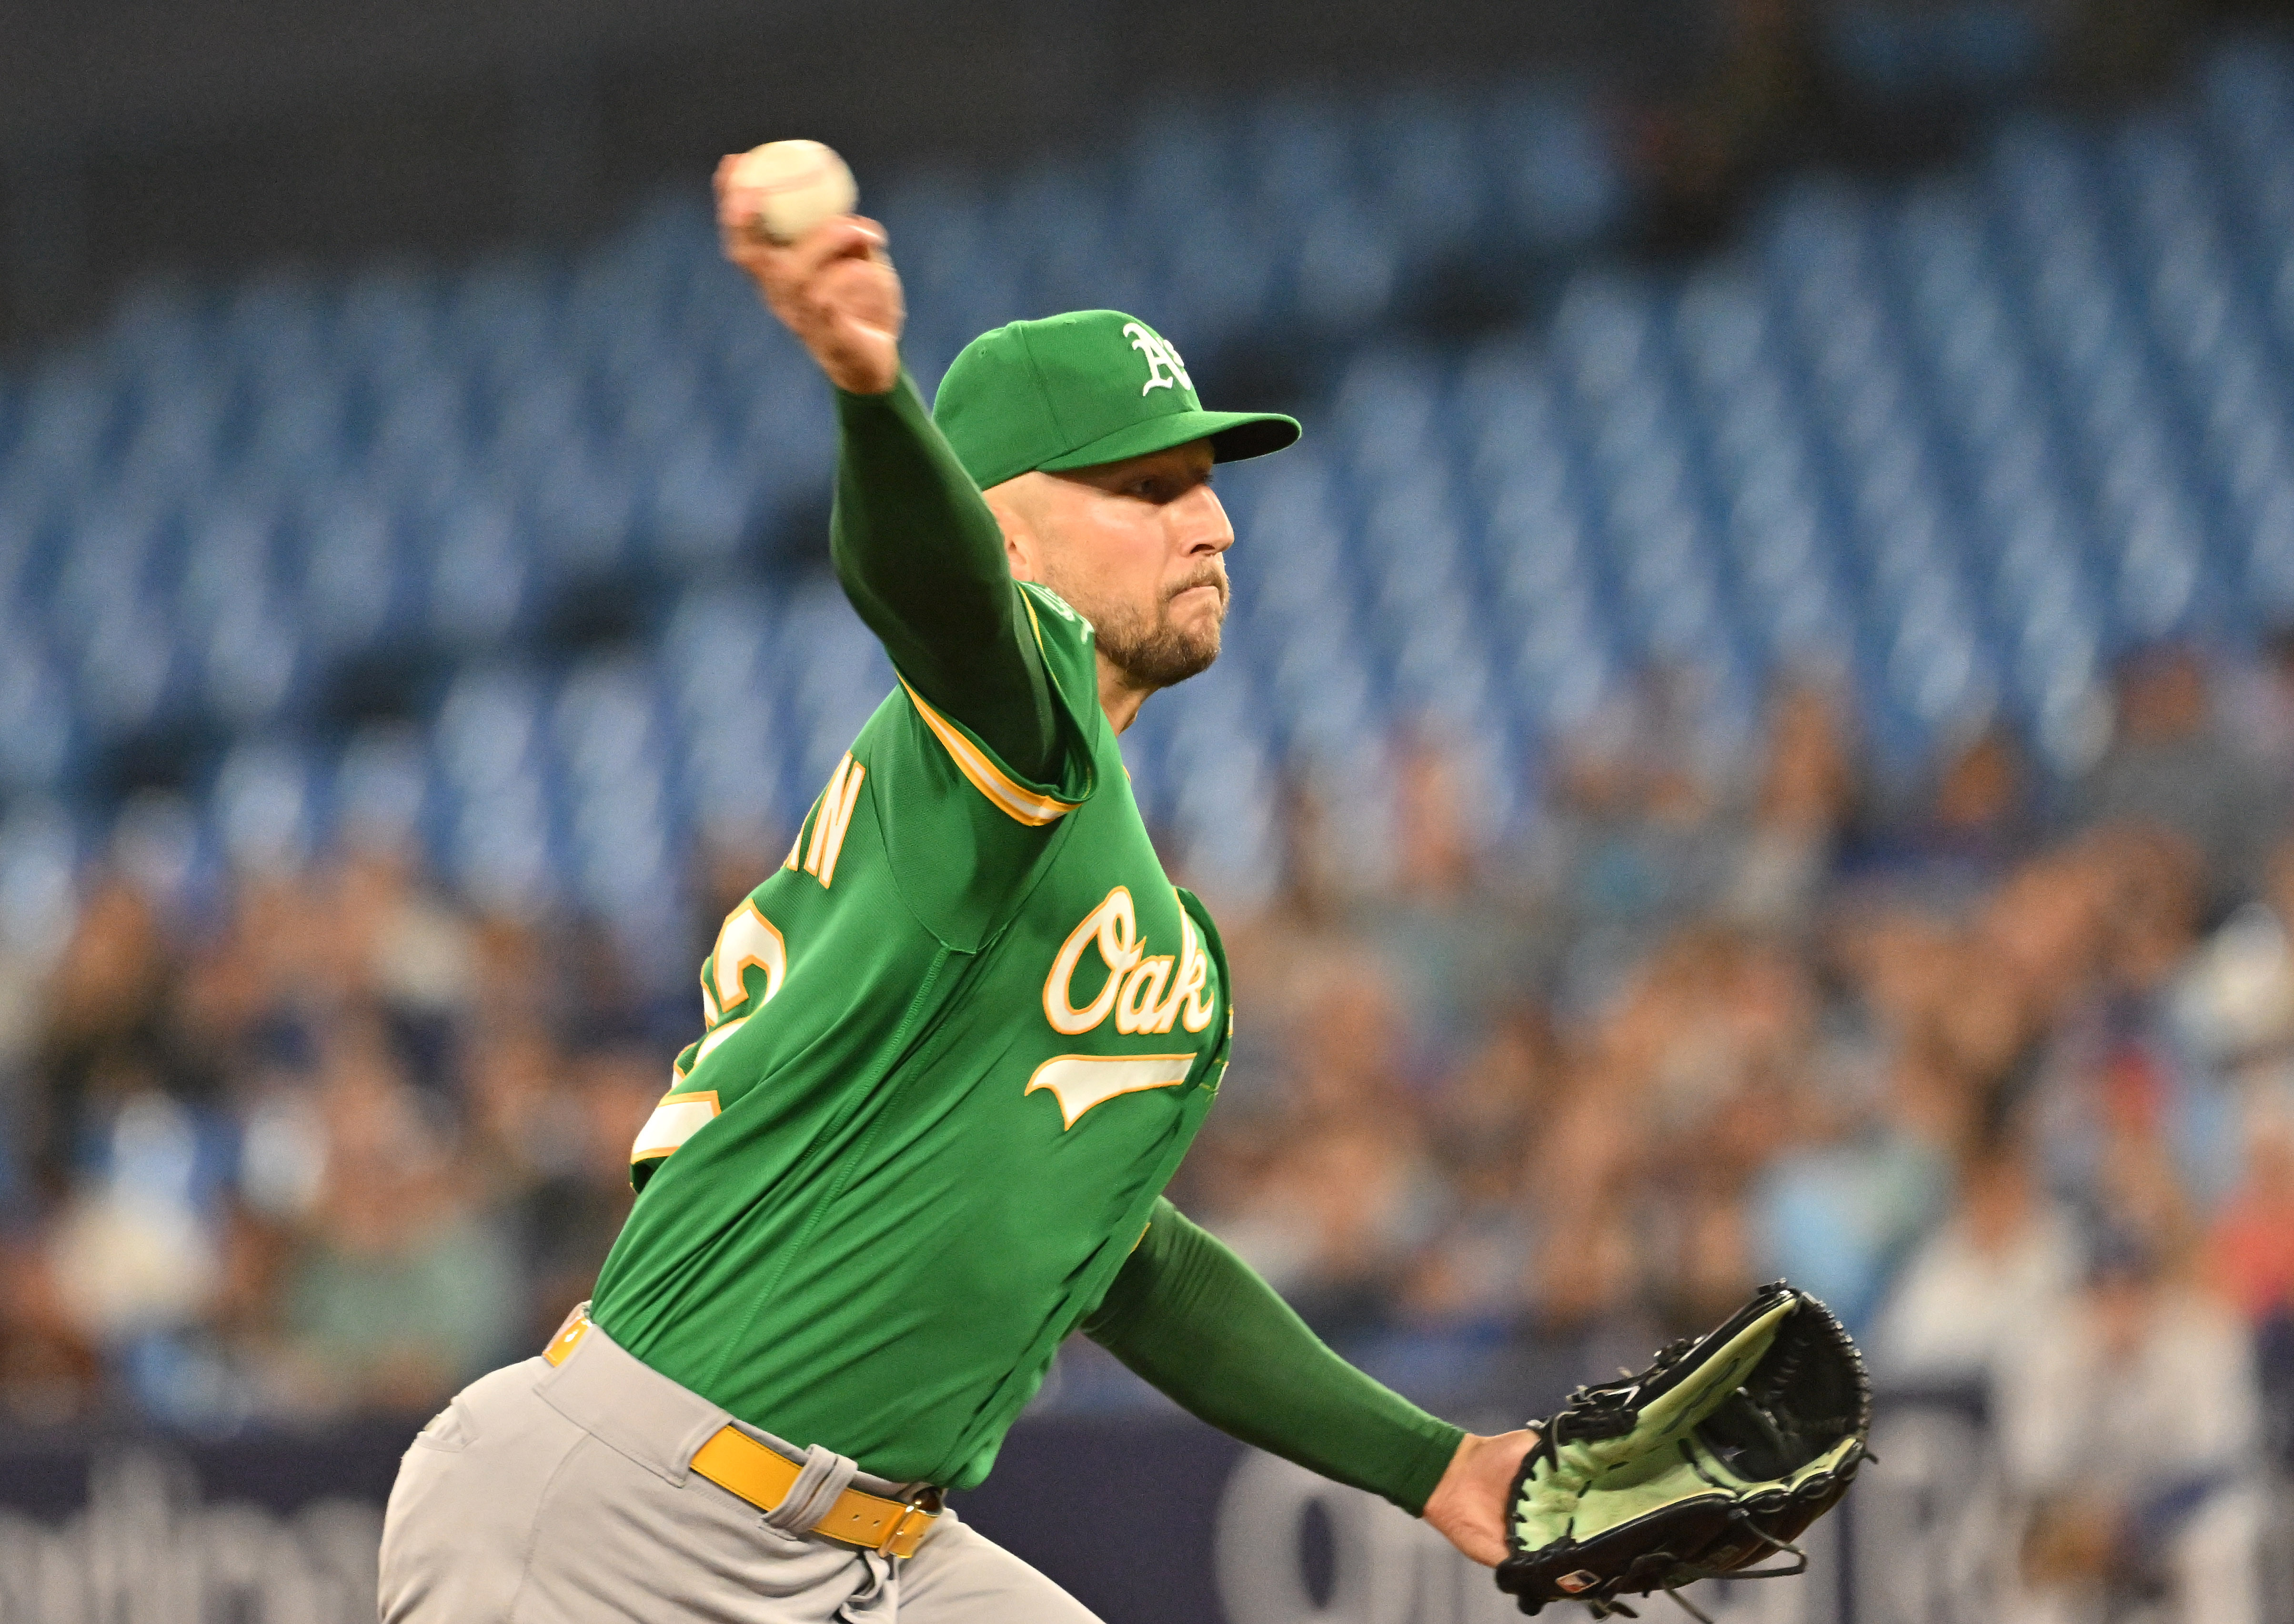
(2001, 1066)
(320, 1141)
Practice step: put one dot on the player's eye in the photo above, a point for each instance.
(1164, 486)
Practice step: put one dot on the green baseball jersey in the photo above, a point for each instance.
(955, 1048)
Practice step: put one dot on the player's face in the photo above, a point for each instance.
(1137, 547)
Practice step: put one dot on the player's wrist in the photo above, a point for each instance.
(876, 410)
(867, 365)
(870, 389)
(1468, 1506)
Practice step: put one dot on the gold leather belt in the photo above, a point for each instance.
(740, 1465)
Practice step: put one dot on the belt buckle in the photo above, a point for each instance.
(914, 1513)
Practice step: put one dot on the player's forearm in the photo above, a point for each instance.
(1193, 1319)
(922, 559)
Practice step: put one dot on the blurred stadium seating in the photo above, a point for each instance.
(1703, 782)
(1964, 440)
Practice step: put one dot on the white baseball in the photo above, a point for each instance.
(799, 183)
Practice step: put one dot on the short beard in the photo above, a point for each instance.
(1152, 651)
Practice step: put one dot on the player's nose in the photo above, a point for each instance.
(1202, 527)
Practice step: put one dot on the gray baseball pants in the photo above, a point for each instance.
(560, 1495)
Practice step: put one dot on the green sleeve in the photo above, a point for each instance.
(1193, 1319)
(922, 559)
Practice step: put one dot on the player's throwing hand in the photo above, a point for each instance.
(835, 287)
(1468, 1506)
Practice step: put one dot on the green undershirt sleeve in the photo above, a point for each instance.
(922, 559)
(1194, 1320)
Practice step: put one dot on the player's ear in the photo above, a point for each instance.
(1020, 544)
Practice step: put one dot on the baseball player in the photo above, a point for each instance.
(955, 1048)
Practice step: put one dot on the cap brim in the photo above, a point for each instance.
(1233, 436)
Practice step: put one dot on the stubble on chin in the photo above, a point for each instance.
(1162, 652)
(1157, 652)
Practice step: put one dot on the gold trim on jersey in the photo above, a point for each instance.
(1114, 927)
(746, 941)
(1014, 799)
(834, 819)
(675, 1120)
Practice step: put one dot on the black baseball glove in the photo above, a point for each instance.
(1714, 1457)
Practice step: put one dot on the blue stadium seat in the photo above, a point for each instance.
(250, 664)
(262, 803)
(503, 847)
(36, 712)
(1422, 171)
(1556, 180)
(1971, 434)
(40, 854)
(354, 574)
(488, 731)
(2266, 580)
(128, 667)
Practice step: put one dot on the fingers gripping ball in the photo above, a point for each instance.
(1714, 1457)
(799, 185)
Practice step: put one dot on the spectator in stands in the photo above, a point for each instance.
(2007, 1252)
(1897, 964)
(1346, 1193)
(135, 1252)
(1586, 1266)
(398, 950)
(566, 1222)
(2139, 1354)
(1976, 819)
(2250, 1247)
(1880, 1126)
(2155, 901)
(1455, 952)
(1645, 1162)
(2261, 703)
(108, 1001)
(1807, 801)
(2249, 1258)
(2124, 1115)
(2169, 763)
(2042, 929)
(400, 1291)
(1626, 851)
(1488, 1115)
(1838, 1212)
(2235, 1003)
(50, 1371)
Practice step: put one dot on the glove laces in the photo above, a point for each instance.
(1679, 1572)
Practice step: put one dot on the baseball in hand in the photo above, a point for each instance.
(799, 185)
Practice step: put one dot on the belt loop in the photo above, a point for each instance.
(569, 1336)
(825, 1475)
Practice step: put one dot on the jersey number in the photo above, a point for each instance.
(748, 941)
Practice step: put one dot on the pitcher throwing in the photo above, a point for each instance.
(954, 1049)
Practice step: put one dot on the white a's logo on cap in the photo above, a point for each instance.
(1165, 370)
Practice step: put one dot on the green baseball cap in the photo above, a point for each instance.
(1079, 389)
